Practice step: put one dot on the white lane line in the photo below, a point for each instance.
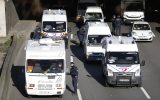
(71, 58)
(79, 94)
(71, 36)
(145, 93)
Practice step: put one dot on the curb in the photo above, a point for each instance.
(5, 75)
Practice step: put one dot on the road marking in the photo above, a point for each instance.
(79, 94)
(71, 36)
(71, 58)
(145, 93)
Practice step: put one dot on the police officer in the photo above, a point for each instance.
(118, 23)
(74, 75)
(37, 33)
(113, 24)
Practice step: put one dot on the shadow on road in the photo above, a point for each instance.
(93, 68)
(18, 78)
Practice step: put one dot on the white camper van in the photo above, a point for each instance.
(45, 67)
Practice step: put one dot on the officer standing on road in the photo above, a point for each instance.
(113, 24)
(118, 23)
(37, 33)
(74, 75)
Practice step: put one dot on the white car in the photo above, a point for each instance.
(141, 31)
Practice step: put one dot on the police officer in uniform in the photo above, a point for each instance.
(113, 24)
(118, 23)
(37, 33)
(74, 75)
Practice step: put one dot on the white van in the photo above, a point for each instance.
(45, 67)
(82, 6)
(94, 13)
(133, 10)
(121, 62)
(94, 33)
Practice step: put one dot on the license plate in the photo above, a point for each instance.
(44, 86)
(124, 80)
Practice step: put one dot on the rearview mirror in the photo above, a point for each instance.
(69, 29)
(142, 63)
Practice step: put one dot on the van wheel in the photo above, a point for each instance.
(140, 83)
(106, 82)
(60, 96)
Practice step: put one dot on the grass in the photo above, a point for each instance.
(5, 45)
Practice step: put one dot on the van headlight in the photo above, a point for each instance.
(110, 72)
(124, 15)
(142, 16)
(89, 53)
(134, 33)
(31, 85)
(137, 72)
(58, 85)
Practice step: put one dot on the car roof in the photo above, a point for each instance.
(140, 22)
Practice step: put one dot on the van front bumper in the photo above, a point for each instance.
(123, 80)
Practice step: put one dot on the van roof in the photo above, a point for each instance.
(45, 48)
(98, 28)
(54, 15)
(121, 44)
(94, 9)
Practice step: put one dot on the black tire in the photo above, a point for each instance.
(31, 35)
(106, 81)
(140, 83)
(29, 96)
(60, 96)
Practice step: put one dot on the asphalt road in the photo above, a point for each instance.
(90, 85)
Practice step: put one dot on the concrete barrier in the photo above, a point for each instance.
(2, 19)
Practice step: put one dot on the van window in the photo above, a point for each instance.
(95, 39)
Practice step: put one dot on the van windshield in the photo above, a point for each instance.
(122, 57)
(54, 26)
(95, 39)
(93, 15)
(45, 66)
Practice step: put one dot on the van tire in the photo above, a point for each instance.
(106, 81)
(139, 83)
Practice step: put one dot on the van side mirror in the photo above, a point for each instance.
(69, 29)
(142, 63)
(67, 71)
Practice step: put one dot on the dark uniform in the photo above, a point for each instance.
(118, 23)
(37, 33)
(74, 75)
(113, 24)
